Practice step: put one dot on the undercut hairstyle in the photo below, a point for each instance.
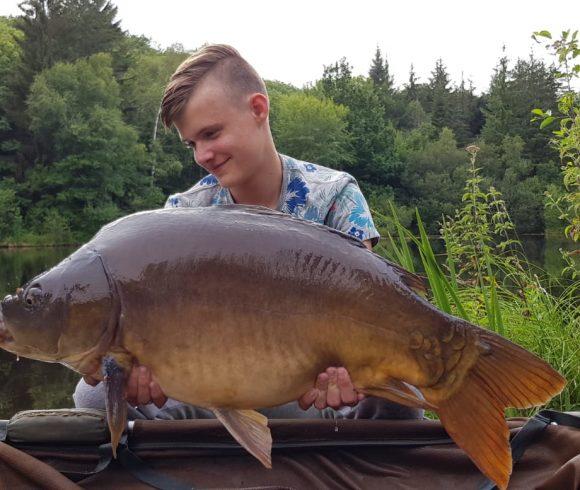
(221, 61)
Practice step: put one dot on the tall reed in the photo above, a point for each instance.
(484, 277)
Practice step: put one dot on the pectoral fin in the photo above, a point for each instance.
(398, 392)
(115, 377)
(250, 429)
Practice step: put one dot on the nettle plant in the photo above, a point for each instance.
(566, 137)
(481, 230)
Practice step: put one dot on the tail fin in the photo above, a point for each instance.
(506, 376)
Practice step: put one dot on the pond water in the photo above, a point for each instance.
(27, 384)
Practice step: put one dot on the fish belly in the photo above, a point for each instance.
(260, 359)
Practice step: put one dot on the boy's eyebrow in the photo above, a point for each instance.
(211, 127)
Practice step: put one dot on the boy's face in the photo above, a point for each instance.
(225, 132)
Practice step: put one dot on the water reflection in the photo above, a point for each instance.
(545, 252)
(28, 384)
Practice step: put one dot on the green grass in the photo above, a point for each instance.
(506, 295)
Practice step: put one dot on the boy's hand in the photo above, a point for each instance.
(142, 388)
(333, 389)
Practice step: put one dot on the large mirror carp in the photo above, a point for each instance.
(235, 308)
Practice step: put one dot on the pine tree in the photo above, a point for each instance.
(498, 112)
(373, 136)
(379, 73)
(336, 81)
(439, 96)
(463, 112)
(512, 96)
(377, 70)
(411, 92)
(55, 31)
(64, 30)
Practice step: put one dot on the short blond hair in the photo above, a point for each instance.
(223, 61)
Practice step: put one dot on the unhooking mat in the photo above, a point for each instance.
(64, 449)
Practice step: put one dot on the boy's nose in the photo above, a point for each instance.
(204, 154)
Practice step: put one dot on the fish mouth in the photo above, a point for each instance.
(5, 336)
(9, 343)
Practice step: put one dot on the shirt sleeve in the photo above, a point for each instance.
(350, 214)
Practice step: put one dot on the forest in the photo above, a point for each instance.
(81, 144)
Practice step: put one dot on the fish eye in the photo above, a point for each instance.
(33, 295)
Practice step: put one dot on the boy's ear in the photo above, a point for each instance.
(260, 106)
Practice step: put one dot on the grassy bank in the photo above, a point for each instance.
(485, 278)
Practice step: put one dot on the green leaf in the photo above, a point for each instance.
(539, 112)
(544, 34)
(546, 122)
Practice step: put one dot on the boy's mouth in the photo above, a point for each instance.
(219, 166)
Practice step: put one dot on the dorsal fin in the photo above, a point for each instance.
(414, 281)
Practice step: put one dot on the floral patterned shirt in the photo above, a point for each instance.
(309, 191)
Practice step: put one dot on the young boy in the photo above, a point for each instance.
(220, 107)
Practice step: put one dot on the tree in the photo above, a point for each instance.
(464, 114)
(439, 106)
(10, 217)
(142, 92)
(533, 85)
(65, 30)
(373, 136)
(312, 129)
(512, 96)
(410, 91)
(53, 31)
(277, 89)
(566, 138)
(433, 175)
(498, 111)
(379, 72)
(93, 168)
(10, 55)
(517, 179)
(336, 81)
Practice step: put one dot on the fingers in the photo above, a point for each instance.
(333, 388)
(132, 386)
(138, 392)
(306, 400)
(321, 386)
(348, 395)
(157, 394)
(333, 394)
(143, 391)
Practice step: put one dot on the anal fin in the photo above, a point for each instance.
(250, 429)
(114, 378)
(398, 392)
